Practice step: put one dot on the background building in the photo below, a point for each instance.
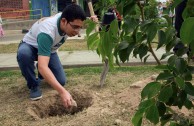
(35, 9)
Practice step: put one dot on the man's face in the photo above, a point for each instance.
(71, 28)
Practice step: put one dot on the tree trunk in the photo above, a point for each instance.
(104, 72)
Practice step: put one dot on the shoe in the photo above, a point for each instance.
(35, 93)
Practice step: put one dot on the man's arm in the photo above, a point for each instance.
(44, 50)
(50, 78)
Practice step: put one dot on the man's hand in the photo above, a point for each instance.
(94, 18)
(66, 99)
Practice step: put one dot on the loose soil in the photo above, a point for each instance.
(95, 106)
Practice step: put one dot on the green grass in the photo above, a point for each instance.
(89, 70)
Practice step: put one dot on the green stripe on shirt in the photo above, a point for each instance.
(44, 44)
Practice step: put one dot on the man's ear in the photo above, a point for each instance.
(64, 20)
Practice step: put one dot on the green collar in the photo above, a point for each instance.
(58, 26)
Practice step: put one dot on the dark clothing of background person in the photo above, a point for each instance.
(108, 17)
(178, 17)
(63, 3)
(178, 23)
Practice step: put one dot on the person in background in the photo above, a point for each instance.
(119, 17)
(108, 17)
(1, 28)
(160, 9)
(76, 2)
(171, 13)
(178, 23)
(41, 44)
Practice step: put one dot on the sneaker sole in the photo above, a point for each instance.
(35, 99)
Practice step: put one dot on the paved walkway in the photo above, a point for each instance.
(68, 58)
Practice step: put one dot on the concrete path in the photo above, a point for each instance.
(75, 59)
(68, 58)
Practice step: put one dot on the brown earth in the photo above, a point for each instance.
(51, 104)
(95, 106)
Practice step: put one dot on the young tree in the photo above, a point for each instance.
(139, 28)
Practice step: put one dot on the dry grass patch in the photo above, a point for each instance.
(69, 45)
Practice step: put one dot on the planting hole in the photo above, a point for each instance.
(51, 105)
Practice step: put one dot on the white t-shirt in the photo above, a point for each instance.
(49, 26)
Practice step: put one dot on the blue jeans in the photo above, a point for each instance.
(26, 57)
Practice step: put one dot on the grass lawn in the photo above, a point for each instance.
(69, 45)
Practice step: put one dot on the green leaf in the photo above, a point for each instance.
(137, 118)
(182, 96)
(192, 46)
(181, 51)
(187, 76)
(150, 90)
(168, 19)
(146, 104)
(120, 7)
(152, 114)
(107, 44)
(139, 37)
(166, 55)
(161, 38)
(123, 55)
(164, 76)
(143, 106)
(114, 27)
(165, 118)
(161, 108)
(142, 50)
(180, 82)
(135, 52)
(165, 93)
(188, 104)
(189, 88)
(176, 3)
(90, 26)
(129, 24)
(116, 58)
(123, 45)
(100, 50)
(171, 44)
(145, 59)
(171, 60)
(129, 8)
(180, 64)
(93, 41)
(186, 32)
(191, 69)
(170, 33)
(152, 30)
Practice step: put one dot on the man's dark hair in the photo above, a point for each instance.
(72, 12)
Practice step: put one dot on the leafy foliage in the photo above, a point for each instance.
(139, 29)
